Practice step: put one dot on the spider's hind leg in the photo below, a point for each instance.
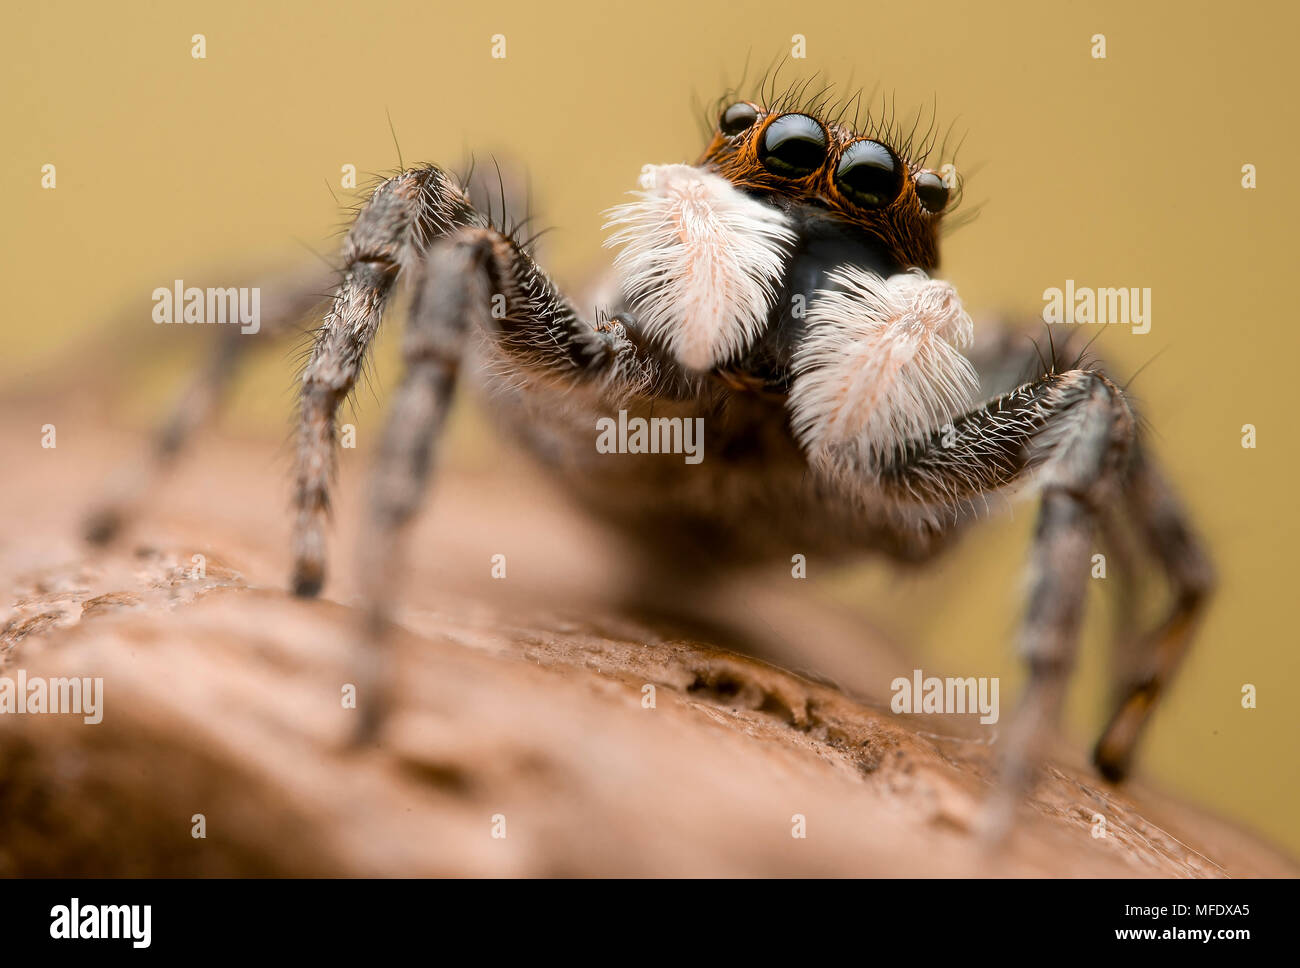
(286, 300)
(1164, 530)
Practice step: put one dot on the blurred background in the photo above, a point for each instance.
(1123, 171)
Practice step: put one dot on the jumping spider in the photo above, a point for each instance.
(779, 288)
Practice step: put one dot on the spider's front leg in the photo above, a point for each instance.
(1146, 509)
(476, 284)
(391, 235)
(1073, 433)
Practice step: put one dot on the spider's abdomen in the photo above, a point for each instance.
(751, 496)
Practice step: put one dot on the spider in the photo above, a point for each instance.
(781, 291)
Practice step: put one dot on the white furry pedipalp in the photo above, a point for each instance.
(880, 365)
(700, 262)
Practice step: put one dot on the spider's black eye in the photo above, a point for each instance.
(932, 192)
(737, 118)
(869, 174)
(794, 145)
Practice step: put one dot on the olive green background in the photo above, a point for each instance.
(1117, 172)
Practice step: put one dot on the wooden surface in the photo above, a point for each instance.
(223, 698)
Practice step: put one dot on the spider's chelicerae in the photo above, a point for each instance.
(779, 290)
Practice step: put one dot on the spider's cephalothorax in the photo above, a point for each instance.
(777, 294)
(791, 261)
(802, 162)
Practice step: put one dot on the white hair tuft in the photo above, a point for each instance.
(700, 262)
(880, 365)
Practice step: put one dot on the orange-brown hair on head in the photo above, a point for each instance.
(904, 224)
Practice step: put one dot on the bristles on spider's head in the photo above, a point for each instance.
(700, 262)
(880, 365)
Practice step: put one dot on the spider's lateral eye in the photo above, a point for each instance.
(869, 174)
(794, 145)
(932, 192)
(737, 118)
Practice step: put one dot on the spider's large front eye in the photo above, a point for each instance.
(869, 174)
(932, 192)
(737, 118)
(794, 145)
